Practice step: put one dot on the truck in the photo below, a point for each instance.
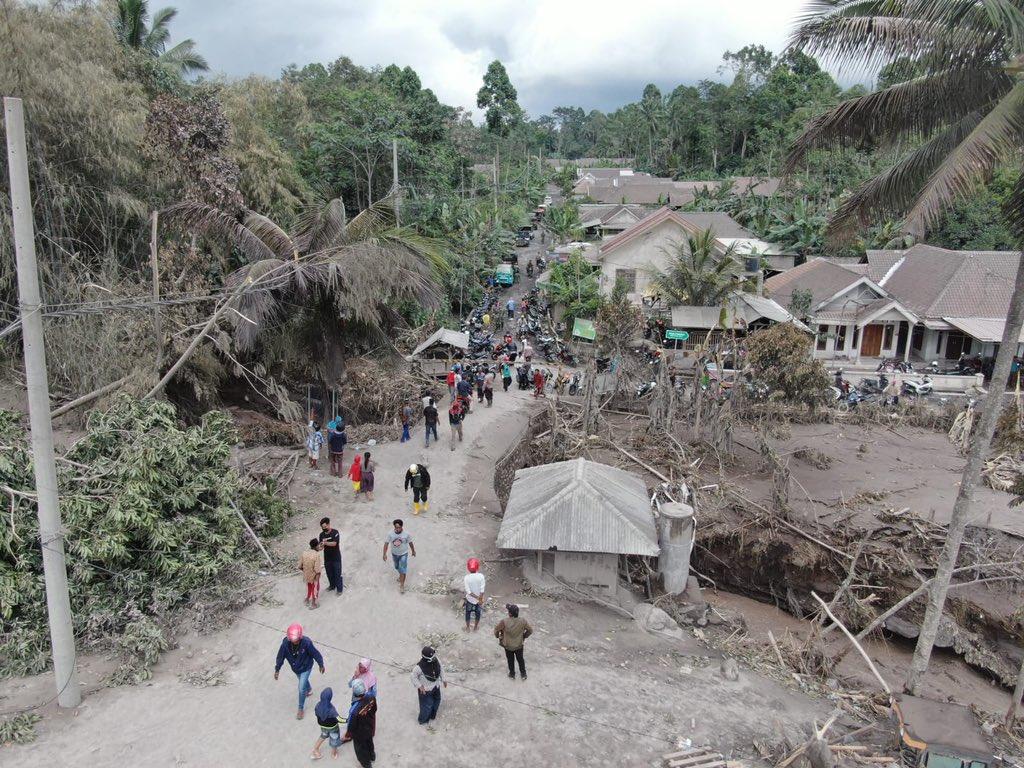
(505, 274)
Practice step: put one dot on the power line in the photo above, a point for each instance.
(391, 665)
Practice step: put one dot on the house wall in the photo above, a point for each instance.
(854, 339)
(600, 570)
(643, 253)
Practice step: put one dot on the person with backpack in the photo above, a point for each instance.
(464, 390)
(430, 418)
(455, 418)
(418, 479)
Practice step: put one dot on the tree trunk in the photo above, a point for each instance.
(1018, 692)
(962, 516)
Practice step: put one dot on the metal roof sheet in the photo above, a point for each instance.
(444, 336)
(982, 328)
(579, 506)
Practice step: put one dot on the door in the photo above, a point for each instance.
(871, 341)
(955, 343)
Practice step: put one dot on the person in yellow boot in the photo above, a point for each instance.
(418, 478)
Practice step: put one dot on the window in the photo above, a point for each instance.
(856, 337)
(938, 342)
(840, 338)
(822, 337)
(628, 278)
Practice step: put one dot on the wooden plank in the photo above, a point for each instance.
(688, 753)
(696, 760)
(715, 764)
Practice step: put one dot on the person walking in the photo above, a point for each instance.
(311, 565)
(450, 381)
(475, 585)
(406, 421)
(428, 677)
(300, 653)
(510, 307)
(506, 375)
(314, 442)
(511, 633)
(355, 473)
(362, 724)
(336, 441)
(455, 419)
(418, 478)
(465, 391)
(330, 544)
(430, 418)
(366, 478)
(327, 717)
(538, 383)
(400, 544)
(527, 352)
(478, 379)
(489, 387)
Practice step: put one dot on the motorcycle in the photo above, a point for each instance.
(574, 383)
(874, 386)
(647, 388)
(918, 388)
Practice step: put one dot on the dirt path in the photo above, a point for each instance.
(584, 663)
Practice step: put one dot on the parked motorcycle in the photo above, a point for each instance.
(874, 386)
(918, 387)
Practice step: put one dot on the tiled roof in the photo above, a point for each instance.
(822, 278)
(720, 223)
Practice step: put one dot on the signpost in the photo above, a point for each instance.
(673, 335)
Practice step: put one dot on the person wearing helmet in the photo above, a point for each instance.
(418, 477)
(300, 654)
(475, 584)
(362, 724)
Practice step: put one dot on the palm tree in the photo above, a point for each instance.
(134, 30)
(697, 274)
(564, 221)
(967, 104)
(316, 288)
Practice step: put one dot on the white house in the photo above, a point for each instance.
(925, 302)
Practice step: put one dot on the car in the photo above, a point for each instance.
(522, 240)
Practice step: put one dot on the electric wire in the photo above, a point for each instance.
(381, 662)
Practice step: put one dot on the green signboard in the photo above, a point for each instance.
(673, 335)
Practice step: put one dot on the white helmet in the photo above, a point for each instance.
(413, 468)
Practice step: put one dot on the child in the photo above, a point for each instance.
(330, 729)
(310, 565)
(314, 442)
(355, 472)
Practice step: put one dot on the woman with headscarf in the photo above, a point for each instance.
(366, 478)
(428, 677)
(355, 472)
(330, 728)
(362, 724)
(364, 674)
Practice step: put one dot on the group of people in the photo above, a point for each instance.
(323, 555)
(358, 722)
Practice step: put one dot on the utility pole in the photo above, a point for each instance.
(497, 154)
(394, 182)
(154, 263)
(51, 534)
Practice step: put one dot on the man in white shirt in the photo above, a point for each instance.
(475, 584)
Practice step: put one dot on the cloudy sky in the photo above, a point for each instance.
(596, 54)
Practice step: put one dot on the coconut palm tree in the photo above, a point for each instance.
(328, 284)
(965, 103)
(697, 275)
(135, 30)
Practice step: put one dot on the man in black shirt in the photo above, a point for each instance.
(330, 542)
(430, 422)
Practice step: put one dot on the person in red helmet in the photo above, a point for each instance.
(475, 584)
(300, 653)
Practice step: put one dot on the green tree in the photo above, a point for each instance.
(697, 275)
(966, 106)
(573, 285)
(498, 97)
(134, 29)
(564, 221)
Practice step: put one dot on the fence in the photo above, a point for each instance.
(517, 456)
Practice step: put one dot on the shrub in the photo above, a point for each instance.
(780, 357)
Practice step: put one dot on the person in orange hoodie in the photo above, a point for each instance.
(355, 472)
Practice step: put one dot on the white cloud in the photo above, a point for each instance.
(594, 54)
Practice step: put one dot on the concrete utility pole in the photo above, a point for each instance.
(51, 534)
(394, 182)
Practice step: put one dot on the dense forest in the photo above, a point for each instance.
(248, 173)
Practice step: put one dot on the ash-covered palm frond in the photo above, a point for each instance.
(215, 223)
(966, 102)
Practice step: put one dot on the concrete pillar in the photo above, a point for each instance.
(675, 534)
(910, 335)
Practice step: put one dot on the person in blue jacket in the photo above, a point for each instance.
(300, 653)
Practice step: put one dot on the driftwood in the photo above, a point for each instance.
(96, 394)
(252, 533)
(852, 639)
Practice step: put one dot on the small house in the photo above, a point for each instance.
(578, 520)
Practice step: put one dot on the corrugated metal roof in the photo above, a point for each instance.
(444, 336)
(741, 308)
(981, 328)
(579, 506)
